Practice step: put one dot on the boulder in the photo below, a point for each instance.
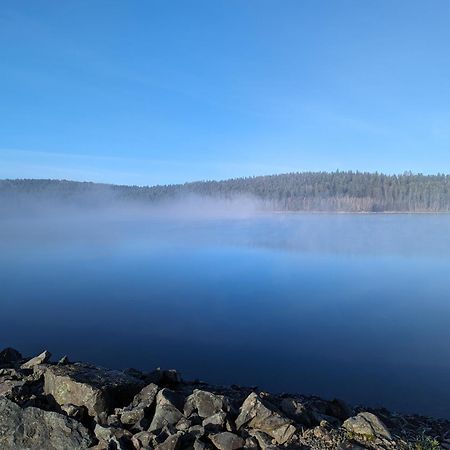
(99, 390)
(146, 397)
(137, 414)
(367, 426)
(227, 441)
(215, 422)
(167, 410)
(33, 428)
(261, 415)
(43, 358)
(205, 403)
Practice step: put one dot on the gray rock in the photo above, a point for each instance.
(261, 415)
(79, 413)
(205, 403)
(171, 443)
(33, 428)
(227, 441)
(11, 388)
(43, 358)
(183, 424)
(142, 439)
(215, 422)
(166, 411)
(63, 361)
(146, 397)
(100, 390)
(200, 445)
(263, 439)
(251, 443)
(106, 434)
(295, 410)
(367, 426)
(137, 414)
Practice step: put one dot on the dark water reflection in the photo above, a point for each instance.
(354, 306)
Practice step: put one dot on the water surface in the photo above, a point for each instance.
(349, 306)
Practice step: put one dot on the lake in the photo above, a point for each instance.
(339, 305)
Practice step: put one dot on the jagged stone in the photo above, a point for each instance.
(171, 443)
(43, 358)
(142, 439)
(166, 411)
(100, 390)
(215, 422)
(63, 361)
(33, 428)
(205, 403)
(227, 441)
(261, 415)
(263, 439)
(107, 434)
(296, 411)
(11, 388)
(200, 445)
(79, 413)
(367, 426)
(183, 424)
(146, 396)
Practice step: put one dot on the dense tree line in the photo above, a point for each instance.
(308, 191)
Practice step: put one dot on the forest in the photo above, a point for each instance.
(306, 191)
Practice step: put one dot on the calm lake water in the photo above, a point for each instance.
(349, 306)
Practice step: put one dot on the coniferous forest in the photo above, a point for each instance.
(307, 191)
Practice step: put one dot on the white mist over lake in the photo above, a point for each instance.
(354, 306)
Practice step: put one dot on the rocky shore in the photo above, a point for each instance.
(56, 406)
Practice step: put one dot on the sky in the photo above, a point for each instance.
(168, 91)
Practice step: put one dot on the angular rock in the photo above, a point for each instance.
(146, 397)
(106, 434)
(295, 410)
(261, 415)
(79, 413)
(263, 439)
(205, 403)
(43, 358)
(137, 414)
(367, 426)
(166, 412)
(33, 428)
(227, 441)
(215, 422)
(100, 390)
(171, 443)
(63, 361)
(142, 439)
(200, 445)
(9, 356)
(11, 388)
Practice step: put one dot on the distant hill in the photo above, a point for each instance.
(307, 191)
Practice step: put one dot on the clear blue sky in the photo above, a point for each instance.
(162, 91)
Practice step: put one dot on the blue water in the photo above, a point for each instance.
(349, 306)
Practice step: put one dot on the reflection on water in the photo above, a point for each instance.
(354, 306)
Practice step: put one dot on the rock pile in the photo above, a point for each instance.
(64, 406)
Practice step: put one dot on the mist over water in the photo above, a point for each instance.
(354, 306)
